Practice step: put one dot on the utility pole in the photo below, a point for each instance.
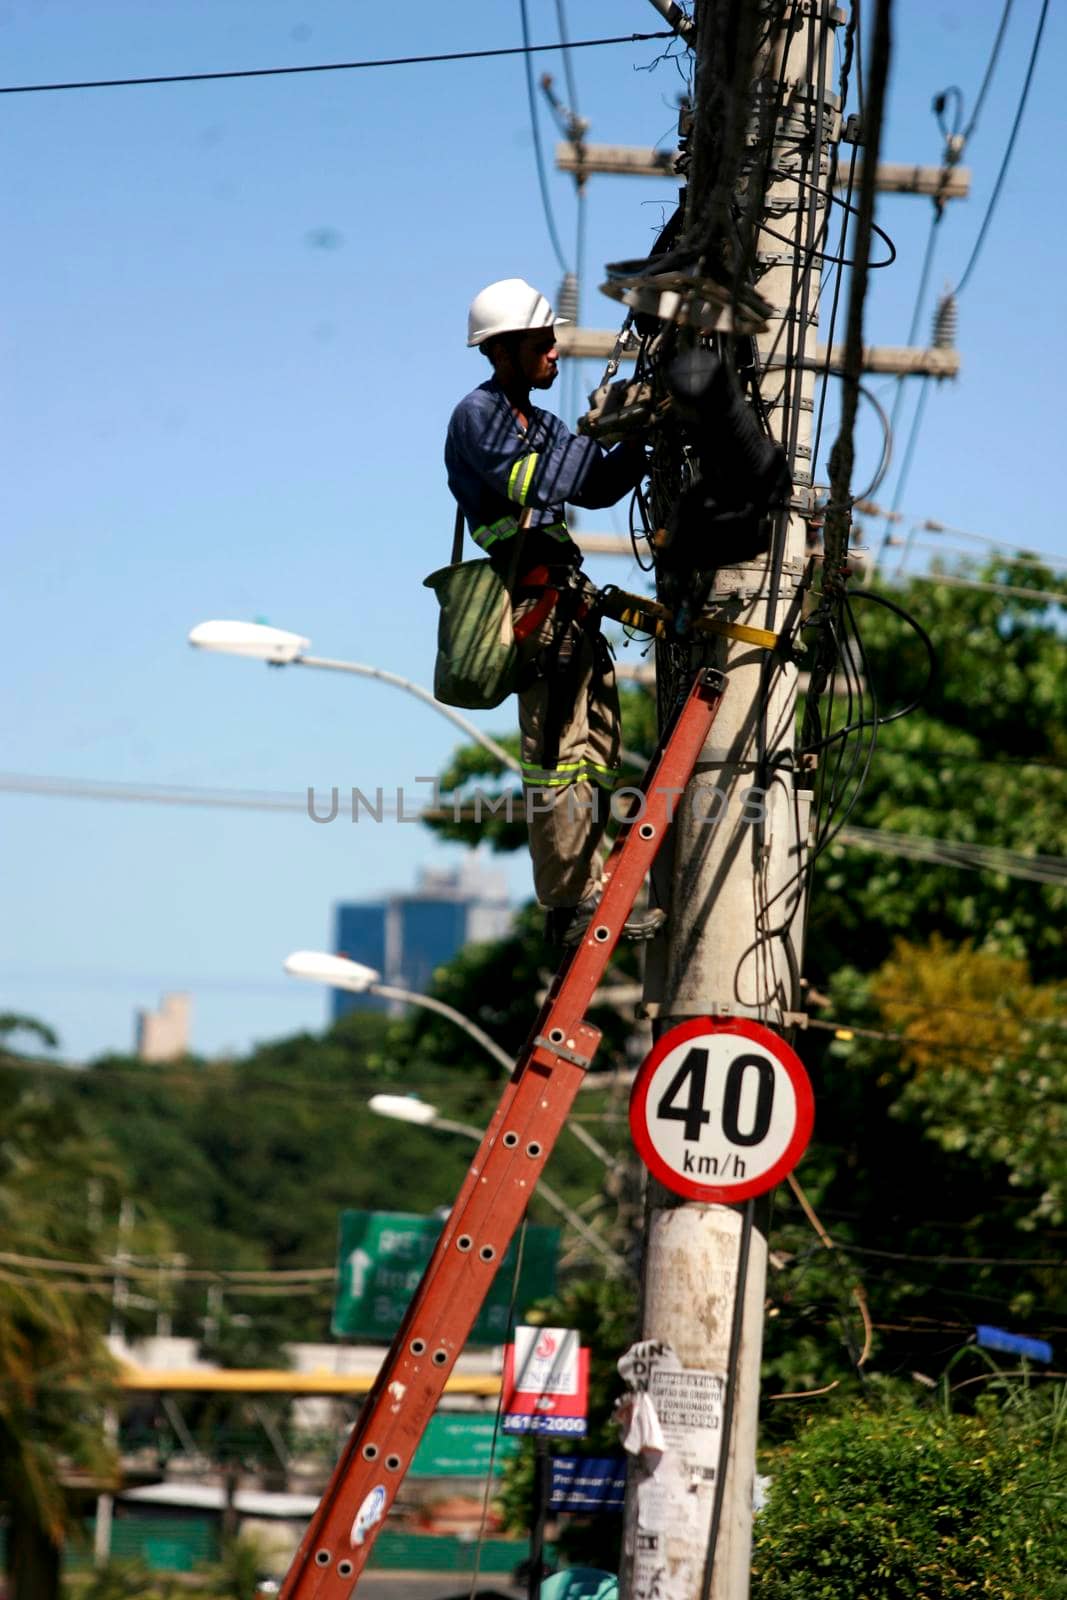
(764, 121)
(120, 1297)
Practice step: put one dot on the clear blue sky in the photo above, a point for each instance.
(233, 330)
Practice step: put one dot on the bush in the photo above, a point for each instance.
(909, 1504)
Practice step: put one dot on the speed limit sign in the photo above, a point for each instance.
(721, 1109)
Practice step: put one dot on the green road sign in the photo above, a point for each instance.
(457, 1445)
(381, 1257)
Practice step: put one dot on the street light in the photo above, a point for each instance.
(341, 972)
(409, 1108)
(279, 648)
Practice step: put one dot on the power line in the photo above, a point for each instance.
(990, 69)
(954, 580)
(568, 69)
(330, 66)
(1009, 149)
(1018, 552)
(955, 758)
(953, 853)
(846, 1031)
(954, 148)
(952, 1261)
(539, 155)
(957, 853)
(1015, 553)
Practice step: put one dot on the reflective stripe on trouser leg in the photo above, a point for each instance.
(568, 805)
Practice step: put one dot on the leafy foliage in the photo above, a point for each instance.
(984, 760)
(891, 1502)
(56, 1374)
(982, 1050)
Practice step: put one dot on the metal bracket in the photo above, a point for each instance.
(653, 1010)
(541, 1043)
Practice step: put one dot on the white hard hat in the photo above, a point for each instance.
(510, 306)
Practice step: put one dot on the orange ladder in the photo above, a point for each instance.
(495, 1193)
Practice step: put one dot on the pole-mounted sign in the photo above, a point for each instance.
(545, 1383)
(721, 1109)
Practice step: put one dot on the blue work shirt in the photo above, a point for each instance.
(496, 470)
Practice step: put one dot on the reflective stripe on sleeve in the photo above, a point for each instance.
(569, 772)
(521, 476)
(489, 533)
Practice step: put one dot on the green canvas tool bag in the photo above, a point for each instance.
(477, 660)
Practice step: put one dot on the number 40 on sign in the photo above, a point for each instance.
(721, 1109)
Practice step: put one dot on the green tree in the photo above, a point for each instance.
(56, 1375)
(983, 759)
(937, 1166)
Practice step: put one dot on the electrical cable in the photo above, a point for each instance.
(954, 1261)
(1008, 152)
(858, 1291)
(952, 580)
(539, 156)
(990, 68)
(508, 1337)
(928, 644)
(839, 278)
(568, 71)
(851, 726)
(955, 94)
(820, 255)
(906, 460)
(729, 1398)
(330, 66)
(826, 835)
(1015, 552)
(952, 1051)
(887, 442)
(939, 212)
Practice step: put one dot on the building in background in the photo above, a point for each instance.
(163, 1035)
(407, 936)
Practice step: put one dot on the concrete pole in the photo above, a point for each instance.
(120, 1295)
(736, 912)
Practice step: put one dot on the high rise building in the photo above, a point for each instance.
(163, 1035)
(408, 935)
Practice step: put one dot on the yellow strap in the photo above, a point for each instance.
(652, 617)
(763, 637)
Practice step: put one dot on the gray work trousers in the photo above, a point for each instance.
(569, 722)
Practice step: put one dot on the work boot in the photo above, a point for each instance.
(568, 925)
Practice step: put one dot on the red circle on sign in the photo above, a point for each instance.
(784, 1159)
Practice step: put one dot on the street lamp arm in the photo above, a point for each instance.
(547, 1193)
(408, 998)
(363, 671)
(579, 1224)
(593, 1145)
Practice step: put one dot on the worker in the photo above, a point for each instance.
(513, 468)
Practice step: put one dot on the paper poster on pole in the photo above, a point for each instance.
(679, 1451)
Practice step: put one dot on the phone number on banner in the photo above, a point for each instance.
(574, 1427)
